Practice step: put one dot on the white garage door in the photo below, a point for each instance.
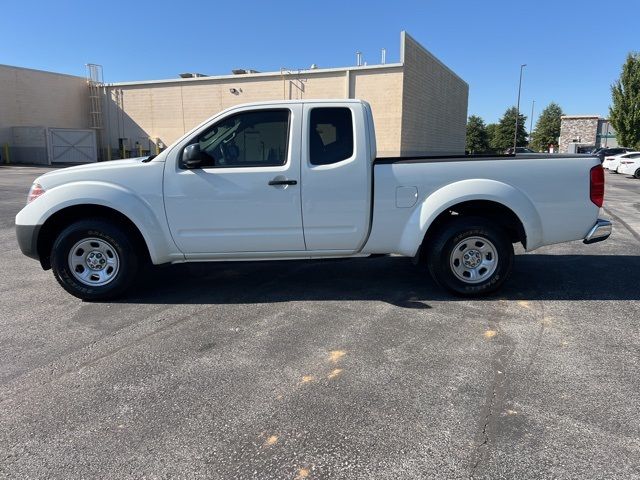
(69, 145)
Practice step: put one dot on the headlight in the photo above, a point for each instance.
(35, 191)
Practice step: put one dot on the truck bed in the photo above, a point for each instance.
(549, 193)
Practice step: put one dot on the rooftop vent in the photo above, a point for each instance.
(192, 75)
(244, 71)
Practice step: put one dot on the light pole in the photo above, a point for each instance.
(515, 136)
(531, 122)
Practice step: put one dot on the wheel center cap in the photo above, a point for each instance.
(472, 258)
(96, 260)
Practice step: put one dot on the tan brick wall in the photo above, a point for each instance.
(36, 98)
(383, 90)
(139, 113)
(168, 110)
(434, 105)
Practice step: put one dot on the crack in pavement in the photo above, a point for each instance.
(495, 399)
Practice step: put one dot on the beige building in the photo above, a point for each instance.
(37, 108)
(419, 106)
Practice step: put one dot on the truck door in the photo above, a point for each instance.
(245, 197)
(336, 176)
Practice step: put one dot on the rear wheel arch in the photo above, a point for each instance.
(484, 196)
(61, 219)
(494, 212)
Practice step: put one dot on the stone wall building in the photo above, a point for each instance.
(580, 132)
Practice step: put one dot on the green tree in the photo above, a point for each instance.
(547, 128)
(624, 112)
(504, 132)
(491, 136)
(477, 138)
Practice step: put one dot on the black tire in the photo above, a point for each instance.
(637, 174)
(440, 261)
(118, 246)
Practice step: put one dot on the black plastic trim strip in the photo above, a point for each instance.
(27, 236)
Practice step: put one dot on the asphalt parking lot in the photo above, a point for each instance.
(337, 369)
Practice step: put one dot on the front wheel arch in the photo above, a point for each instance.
(61, 219)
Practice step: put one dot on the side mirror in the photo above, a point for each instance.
(191, 156)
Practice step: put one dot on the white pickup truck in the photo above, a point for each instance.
(300, 180)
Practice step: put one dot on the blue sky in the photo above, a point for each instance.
(573, 48)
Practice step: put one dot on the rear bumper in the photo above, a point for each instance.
(599, 232)
(27, 236)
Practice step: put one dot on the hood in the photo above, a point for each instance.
(99, 171)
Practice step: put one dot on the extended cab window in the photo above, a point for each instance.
(249, 139)
(330, 136)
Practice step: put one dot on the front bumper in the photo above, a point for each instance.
(28, 239)
(599, 232)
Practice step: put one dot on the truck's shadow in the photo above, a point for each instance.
(389, 279)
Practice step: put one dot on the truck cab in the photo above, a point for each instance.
(286, 178)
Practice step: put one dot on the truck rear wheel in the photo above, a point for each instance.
(470, 256)
(94, 260)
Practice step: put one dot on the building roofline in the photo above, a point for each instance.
(403, 37)
(583, 116)
(42, 71)
(314, 71)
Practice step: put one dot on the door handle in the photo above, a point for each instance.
(283, 182)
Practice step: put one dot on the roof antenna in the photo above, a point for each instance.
(359, 59)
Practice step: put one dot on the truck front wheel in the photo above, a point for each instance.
(94, 260)
(470, 256)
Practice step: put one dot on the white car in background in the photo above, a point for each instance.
(630, 165)
(612, 163)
